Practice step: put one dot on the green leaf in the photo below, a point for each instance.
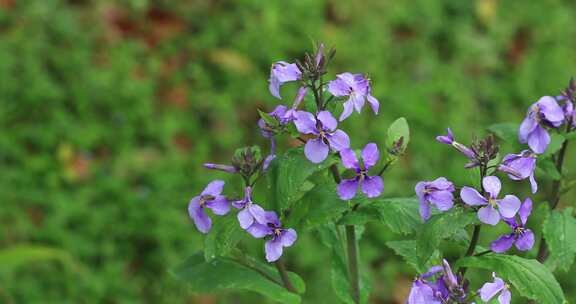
(12, 258)
(399, 129)
(227, 274)
(287, 174)
(546, 167)
(556, 141)
(399, 214)
(532, 279)
(560, 233)
(405, 249)
(570, 136)
(268, 119)
(506, 131)
(439, 227)
(223, 237)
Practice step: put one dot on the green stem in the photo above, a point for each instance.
(353, 262)
(284, 275)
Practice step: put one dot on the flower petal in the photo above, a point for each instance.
(349, 159)
(503, 243)
(327, 120)
(358, 101)
(471, 197)
(444, 200)
(273, 249)
(339, 140)
(348, 108)
(259, 230)
(245, 218)
(525, 210)
(525, 241)
(274, 87)
(492, 185)
(370, 155)
(288, 237)
(526, 128)
(347, 189)
(424, 210)
(258, 213)
(489, 290)
(201, 220)
(488, 215)
(505, 297)
(372, 186)
(219, 205)
(338, 87)
(533, 184)
(550, 109)
(316, 150)
(509, 206)
(214, 188)
(539, 140)
(374, 104)
(305, 122)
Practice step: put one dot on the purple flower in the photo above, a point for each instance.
(422, 293)
(520, 166)
(279, 237)
(225, 168)
(280, 114)
(544, 113)
(250, 212)
(447, 288)
(357, 88)
(490, 290)
(372, 186)
(449, 140)
(521, 237)
(209, 198)
(280, 73)
(507, 207)
(437, 192)
(324, 128)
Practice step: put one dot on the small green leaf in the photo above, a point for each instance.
(399, 214)
(439, 227)
(546, 167)
(317, 207)
(223, 237)
(556, 141)
(227, 274)
(268, 119)
(570, 136)
(560, 234)
(532, 279)
(506, 131)
(398, 130)
(406, 249)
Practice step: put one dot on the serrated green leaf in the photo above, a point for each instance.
(556, 141)
(546, 167)
(398, 129)
(227, 274)
(319, 206)
(560, 233)
(399, 214)
(439, 227)
(223, 237)
(532, 279)
(506, 131)
(287, 175)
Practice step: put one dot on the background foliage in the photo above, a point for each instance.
(108, 108)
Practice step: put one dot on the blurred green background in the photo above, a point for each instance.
(108, 109)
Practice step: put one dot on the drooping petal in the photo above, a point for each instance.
(492, 185)
(539, 140)
(348, 109)
(508, 206)
(419, 189)
(273, 249)
(201, 220)
(358, 101)
(374, 104)
(442, 183)
(288, 237)
(488, 215)
(489, 290)
(271, 218)
(503, 243)
(347, 189)
(219, 205)
(338, 87)
(305, 122)
(505, 296)
(214, 188)
(525, 240)
(525, 210)
(444, 200)
(526, 128)
(551, 110)
(421, 293)
(372, 186)
(274, 87)
(259, 230)
(245, 218)
(533, 184)
(258, 213)
(370, 155)
(450, 277)
(339, 140)
(349, 159)
(424, 210)
(471, 197)
(327, 120)
(316, 150)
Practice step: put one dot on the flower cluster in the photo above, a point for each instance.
(438, 285)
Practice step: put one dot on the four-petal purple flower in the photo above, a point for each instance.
(438, 193)
(544, 113)
(447, 287)
(521, 237)
(372, 186)
(490, 290)
(250, 212)
(507, 206)
(520, 166)
(279, 237)
(357, 88)
(323, 127)
(209, 198)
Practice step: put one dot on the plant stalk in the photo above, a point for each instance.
(353, 263)
(284, 275)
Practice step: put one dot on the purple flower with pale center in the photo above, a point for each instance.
(280, 73)
(279, 237)
(357, 88)
(209, 198)
(372, 186)
(448, 139)
(323, 127)
(544, 113)
(493, 207)
(520, 166)
(490, 290)
(447, 288)
(250, 212)
(437, 192)
(521, 237)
